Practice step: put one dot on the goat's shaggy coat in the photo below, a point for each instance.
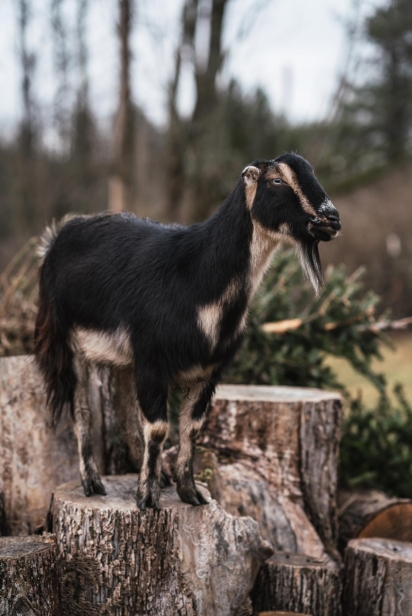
(169, 302)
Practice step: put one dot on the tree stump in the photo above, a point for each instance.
(272, 453)
(36, 459)
(297, 583)
(182, 560)
(368, 513)
(378, 578)
(28, 576)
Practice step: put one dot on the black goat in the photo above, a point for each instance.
(169, 301)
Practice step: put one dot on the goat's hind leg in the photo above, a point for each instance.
(153, 404)
(90, 477)
(194, 408)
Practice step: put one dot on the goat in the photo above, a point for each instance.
(170, 303)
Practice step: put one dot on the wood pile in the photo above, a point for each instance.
(269, 458)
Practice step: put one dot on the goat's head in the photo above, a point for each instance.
(288, 203)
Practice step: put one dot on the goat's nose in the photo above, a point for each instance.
(333, 217)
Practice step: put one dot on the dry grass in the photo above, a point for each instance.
(396, 366)
(18, 293)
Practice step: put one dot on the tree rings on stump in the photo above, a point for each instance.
(368, 513)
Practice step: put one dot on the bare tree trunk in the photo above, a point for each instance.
(206, 77)
(29, 582)
(120, 185)
(27, 137)
(61, 65)
(205, 110)
(177, 134)
(179, 561)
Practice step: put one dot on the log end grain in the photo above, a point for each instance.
(369, 513)
(264, 393)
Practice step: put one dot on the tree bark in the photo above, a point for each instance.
(297, 583)
(28, 576)
(181, 560)
(270, 453)
(378, 578)
(120, 186)
(276, 456)
(177, 138)
(368, 513)
(36, 459)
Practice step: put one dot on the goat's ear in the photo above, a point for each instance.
(251, 175)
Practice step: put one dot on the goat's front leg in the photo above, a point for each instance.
(153, 404)
(90, 477)
(194, 408)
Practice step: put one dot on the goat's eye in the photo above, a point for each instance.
(277, 181)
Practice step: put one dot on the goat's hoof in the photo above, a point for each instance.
(190, 495)
(148, 496)
(165, 479)
(93, 485)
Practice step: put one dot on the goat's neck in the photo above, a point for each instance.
(262, 248)
(238, 246)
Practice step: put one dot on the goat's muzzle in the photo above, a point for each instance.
(325, 228)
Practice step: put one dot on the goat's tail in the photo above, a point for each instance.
(49, 235)
(52, 350)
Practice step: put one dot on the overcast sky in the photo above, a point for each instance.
(293, 49)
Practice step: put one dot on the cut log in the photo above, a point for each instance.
(368, 513)
(276, 456)
(36, 459)
(378, 578)
(181, 560)
(28, 576)
(297, 583)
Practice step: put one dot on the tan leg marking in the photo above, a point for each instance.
(188, 428)
(153, 432)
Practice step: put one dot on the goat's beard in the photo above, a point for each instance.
(310, 261)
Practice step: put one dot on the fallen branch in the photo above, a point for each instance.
(282, 327)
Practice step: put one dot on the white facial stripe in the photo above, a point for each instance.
(289, 176)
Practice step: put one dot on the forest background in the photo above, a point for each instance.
(181, 120)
